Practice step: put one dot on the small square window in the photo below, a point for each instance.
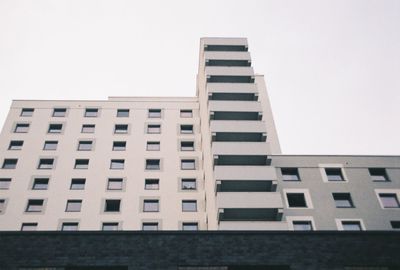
(389, 200)
(40, 184)
(15, 145)
(5, 183)
(351, 226)
(115, 184)
(78, 183)
(296, 200)
(112, 205)
(153, 146)
(21, 128)
(186, 113)
(188, 184)
(35, 206)
(302, 225)
(10, 163)
(343, 200)
(50, 145)
(85, 146)
(152, 164)
(121, 129)
(73, 206)
(117, 164)
(189, 206)
(290, 174)
(188, 164)
(190, 226)
(2, 205)
(123, 113)
(154, 113)
(187, 146)
(27, 112)
(69, 226)
(55, 128)
(395, 224)
(150, 206)
(46, 164)
(119, 146)
(88, 128)
(91, 112)
(110, 226)
(150, 226)
(81, 164)
(186, 129)
(153, 129)
(59, 112)
(334, 174)
(151, 184)
(29, 226)
(378, 174)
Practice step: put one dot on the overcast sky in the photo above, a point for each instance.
(332, 68)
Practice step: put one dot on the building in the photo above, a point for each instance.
(207, 163)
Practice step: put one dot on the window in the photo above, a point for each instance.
(123, 113)
(389, 200)
(110, 226)
(50, 145)
(378, 174)
(59, 112)
(78, 183)
(188, 164)
(290, 174)
(46, 164)
(150, 226)
(334, 174)
(190, 226)
(117, 164)
(296, 200)
(150, 206)
(91, 112)
(88, 128)
(15, 145)
(115, 184)
(21, 128)
(343, 200)
(27, 112)
(187, 146)
(2, 205)
(351, 225)
(302, 225)
(112, 205)
(154, 113)
(153, 146)
(189, 206)
(29, 226)
(85, 145)
(73, 206)
(121, 129)
(119, 146)
(395, 224)
(152, 164)
(188, 184)
(5, 183)
(69, 226)
(55, 128)
(35, 206)
(186, 113)
(81, 164)
(151, 184)
(40, 184)
(153, 129)
(9, 163)
(186, 129)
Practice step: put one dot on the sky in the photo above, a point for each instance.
(332, 68)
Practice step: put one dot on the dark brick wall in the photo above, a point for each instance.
(167, 250)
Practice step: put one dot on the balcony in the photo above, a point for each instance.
(245, 173)
(246, 185)
(240, 148)
(254, 225)
(236, 116)
(233, 96)
(238, 126)
(241, 160)
(243, 56)
(239, 137)
(226, 48)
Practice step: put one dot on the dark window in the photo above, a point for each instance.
(151, 184)
(154, 113)
(21, 128)
(55, 128)
(78, 183)
(152, 164)
(378, 174)
(189, 206)
(150, 226)
(119, 146)
(150, 206)
(188, 164)
(34, 206)
(296, 200)
(187, 146)
(88, 128)
(343, 200)
(395, 224)
(91, 112)
(5, 183)
(10, 163)
(389, 200)
(29, 226)
(2, 205)
(59, 112)
(46, 163)
(290, 174)
(112, 205)
(154, 129)
(81, 164)
(15, 145)
(334, 174)
(50, 145)
(123, 113)
(85, 145)
(351, 225)
(186, 129)
(40, 183)
(115, 184)
(69, 226)
(110, 226)
(117, 164)
(153, 146)
(186, 113)
(190, 226)
(188, 184)
(302, 225)
(121, 129)
(26, 112)
(73, 206)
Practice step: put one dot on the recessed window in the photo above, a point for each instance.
(81, 164)
(2, 205)
(290, 174)
(91, 112)
(351, 225)
(29, 226)
(10, 163)
(187, 146)
(46, 164)
(190, 226)
(153, 146)
(186, 113)
(378, 174)
(73, 206)
(59, 112)
(34, 206)
(188, 164)
(300, 225)
(85, 145)
(389, 200)
(188, 184)
(27, 112)
(115, 184)
(112, 205)
(110, 226)
(150, 226)
(154, 113)
(152, 164)
(15, 145)
(119, 146)
(88, 128)
(50, 145)
(296, 200)
(5, 183)
(189, 206)
(123, 113)
(117, 164)
(334, 174)
(343, 200)
(55, 128)
(186, 129)
(151, 184)
(78, 183)
(21, 128)
(121, 129)
(395, 224)
(150, 206)
(153, 129)
(69, 226)
(40, 184)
